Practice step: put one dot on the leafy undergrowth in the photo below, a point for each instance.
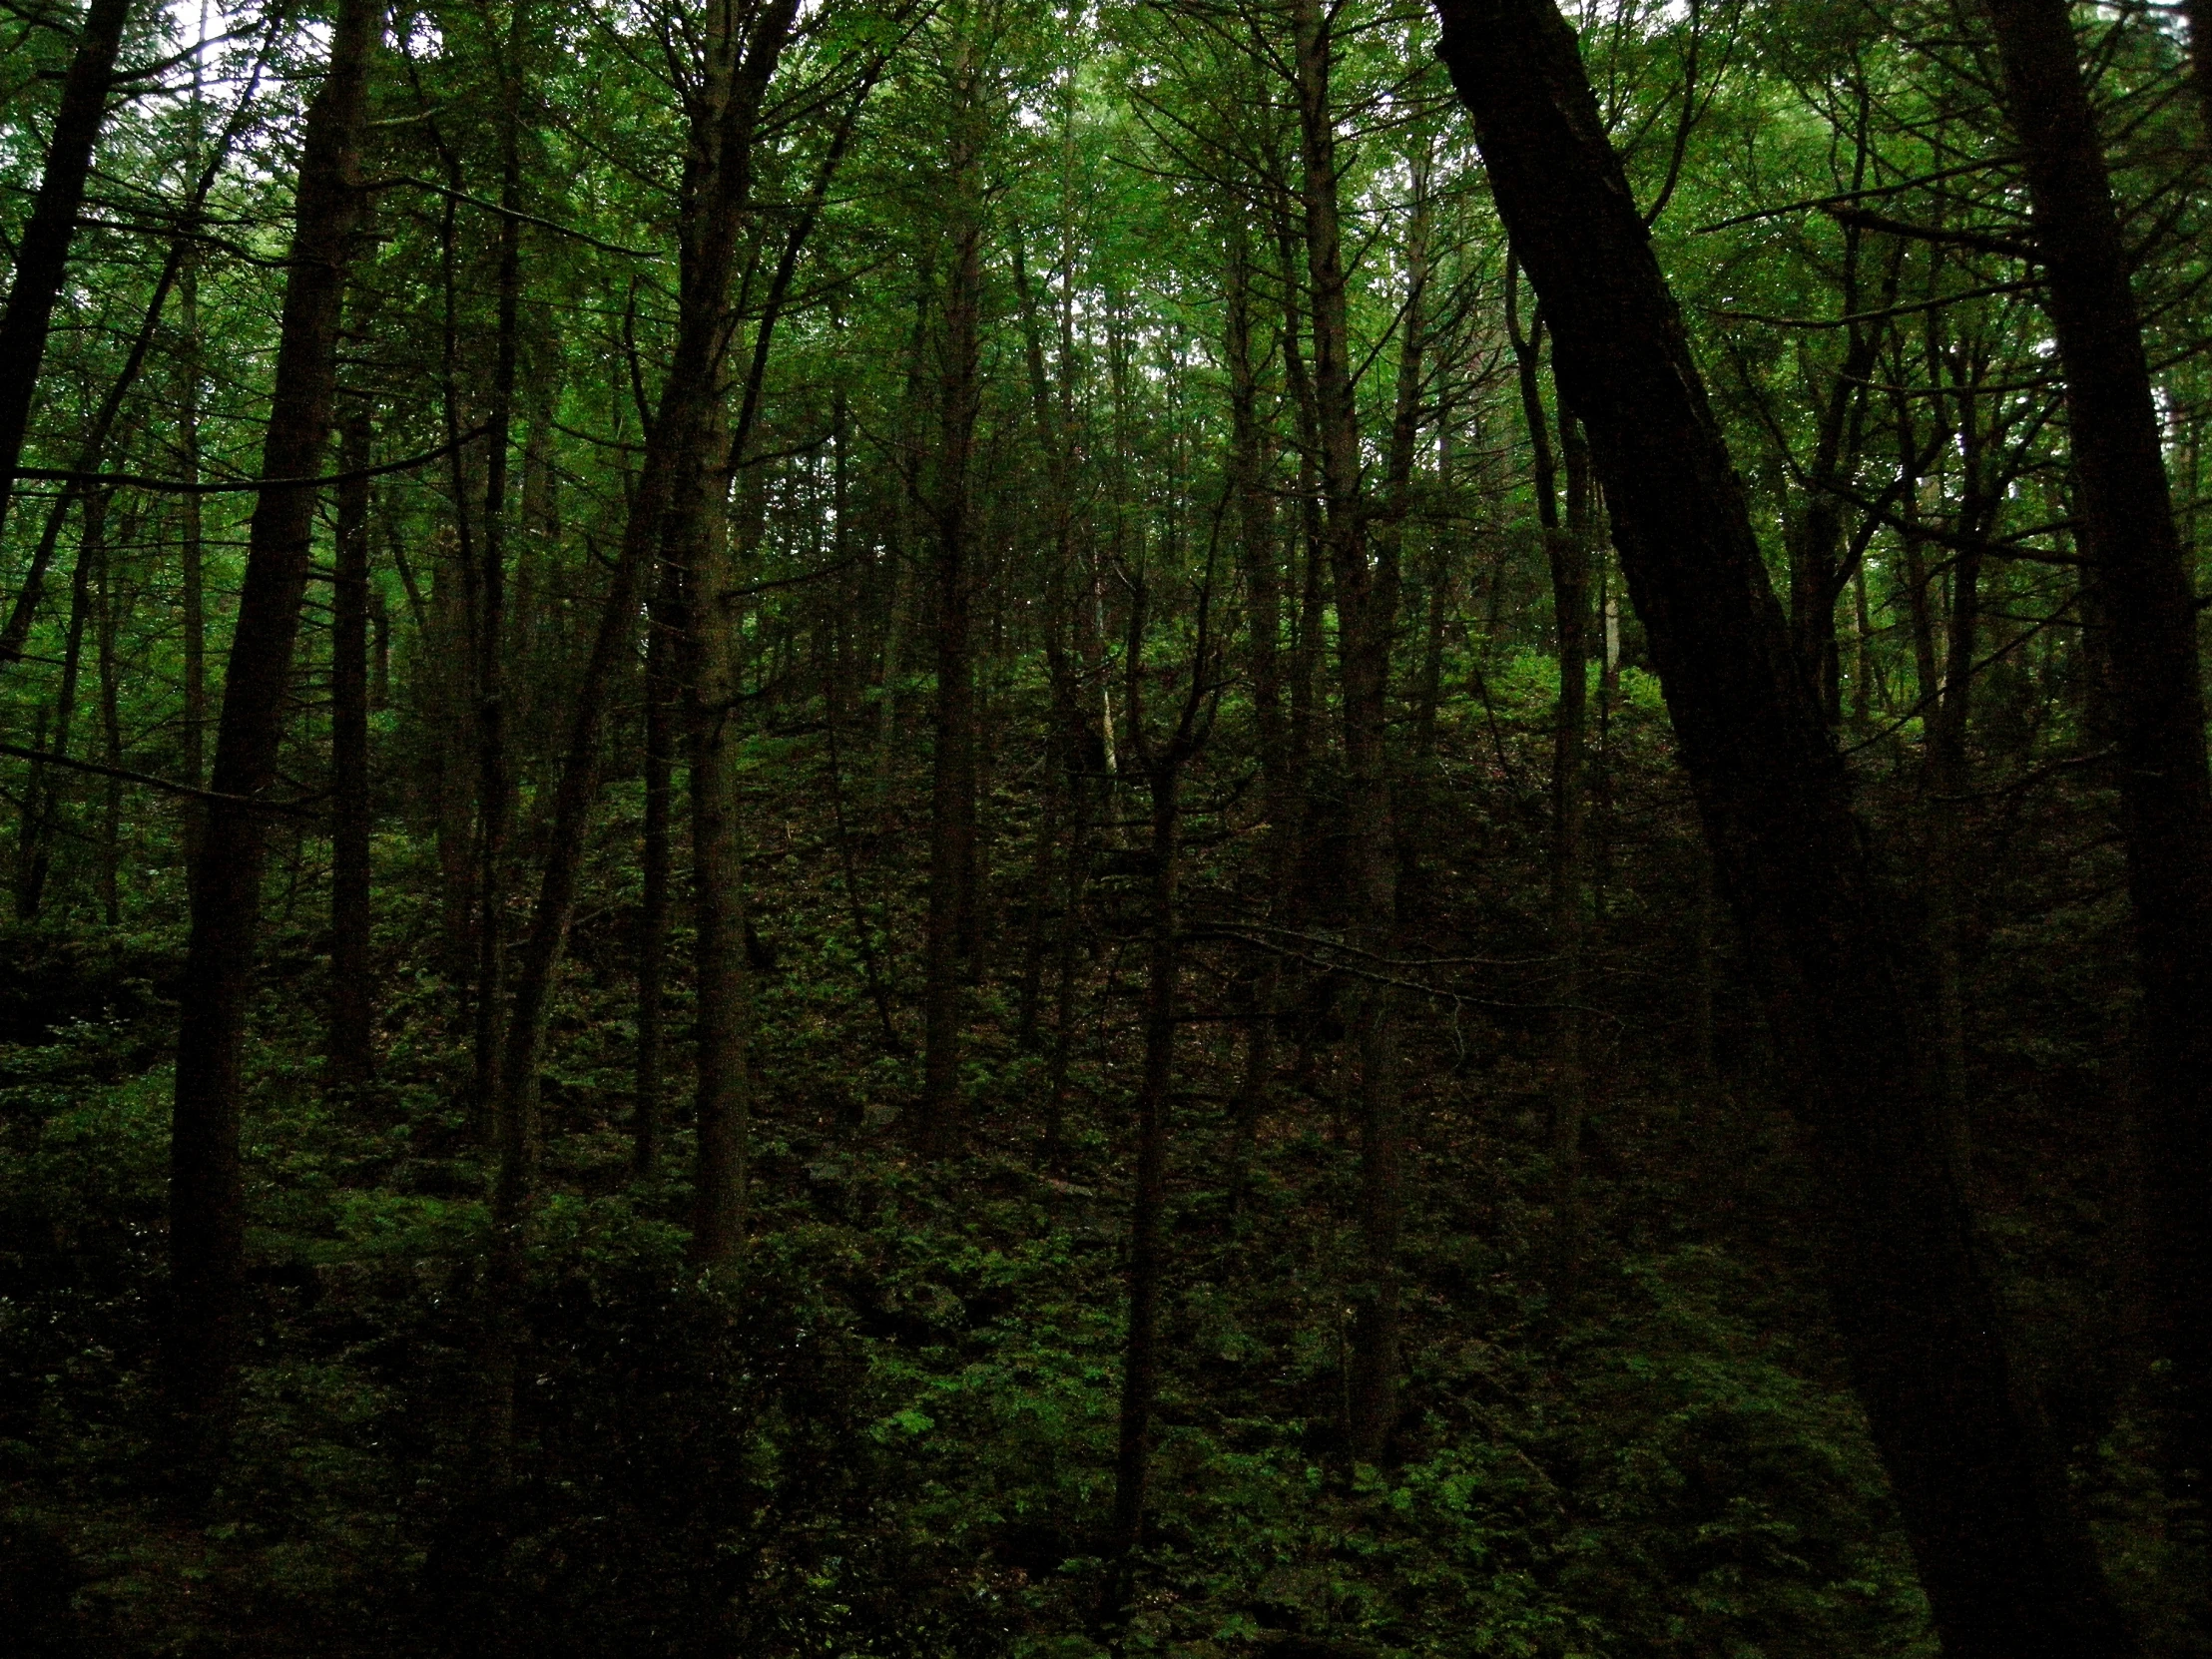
(891, 1430)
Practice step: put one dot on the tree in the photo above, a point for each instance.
(2004, 1568)
(206, 1219)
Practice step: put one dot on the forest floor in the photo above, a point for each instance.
(891, 1431)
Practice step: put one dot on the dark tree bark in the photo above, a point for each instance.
(494, 790)
(42, 800)
(1163, 763)
(2006, 1569)
(42, 257)
(193, 601)
(2199, 14)
(352, 994)
(1251, 460)
(700, 537)
(206, 1204)
(179, 273)
(1366, 592)
(744, 50)
(2136, 562)
(655, 865)
(953, 782)
(1569, 550)
(112, 603)
(698, 540)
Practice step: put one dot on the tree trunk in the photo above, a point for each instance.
(2006, 1569)
(193, 602)
(952, 787)
(678, 451)
(1366, 603)
(1140, 1373)
(1249, 462)
(2199, 14)
(490, 588)
(207, 1201)
(2127, 530)
(1163, 763)
(41, 793)
(700, 541)
(1569, 549)
(110, 599)
(42, 257)
(665, 630)
(353, 993)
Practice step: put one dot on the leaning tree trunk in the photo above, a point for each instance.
(206, 1222)
(42, 257)
(2135, 559)
(2006, 1569)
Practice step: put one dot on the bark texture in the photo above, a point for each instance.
(206, 1203)
(2006, 1570)
(42, 257)
(2135, 559)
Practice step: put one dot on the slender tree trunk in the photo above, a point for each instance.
(2199, 14)
(2127, 530)
(953, 788)
(864, 936)
(193, 602)
(111, 605)
(1366, 603)
(42, 256)
(1249, 462)
(493, 789)
(43, 792)
(1569, 548)
(716, 184)
(666, 629)
(353, 992)
(1163, 765)
(1140, 1375)
(207, 1201)
(2007, 1568)
(722, 996)
(1059, 778)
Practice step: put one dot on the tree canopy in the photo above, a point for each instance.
(1211, 826)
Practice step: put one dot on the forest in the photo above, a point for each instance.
(1247, 828)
